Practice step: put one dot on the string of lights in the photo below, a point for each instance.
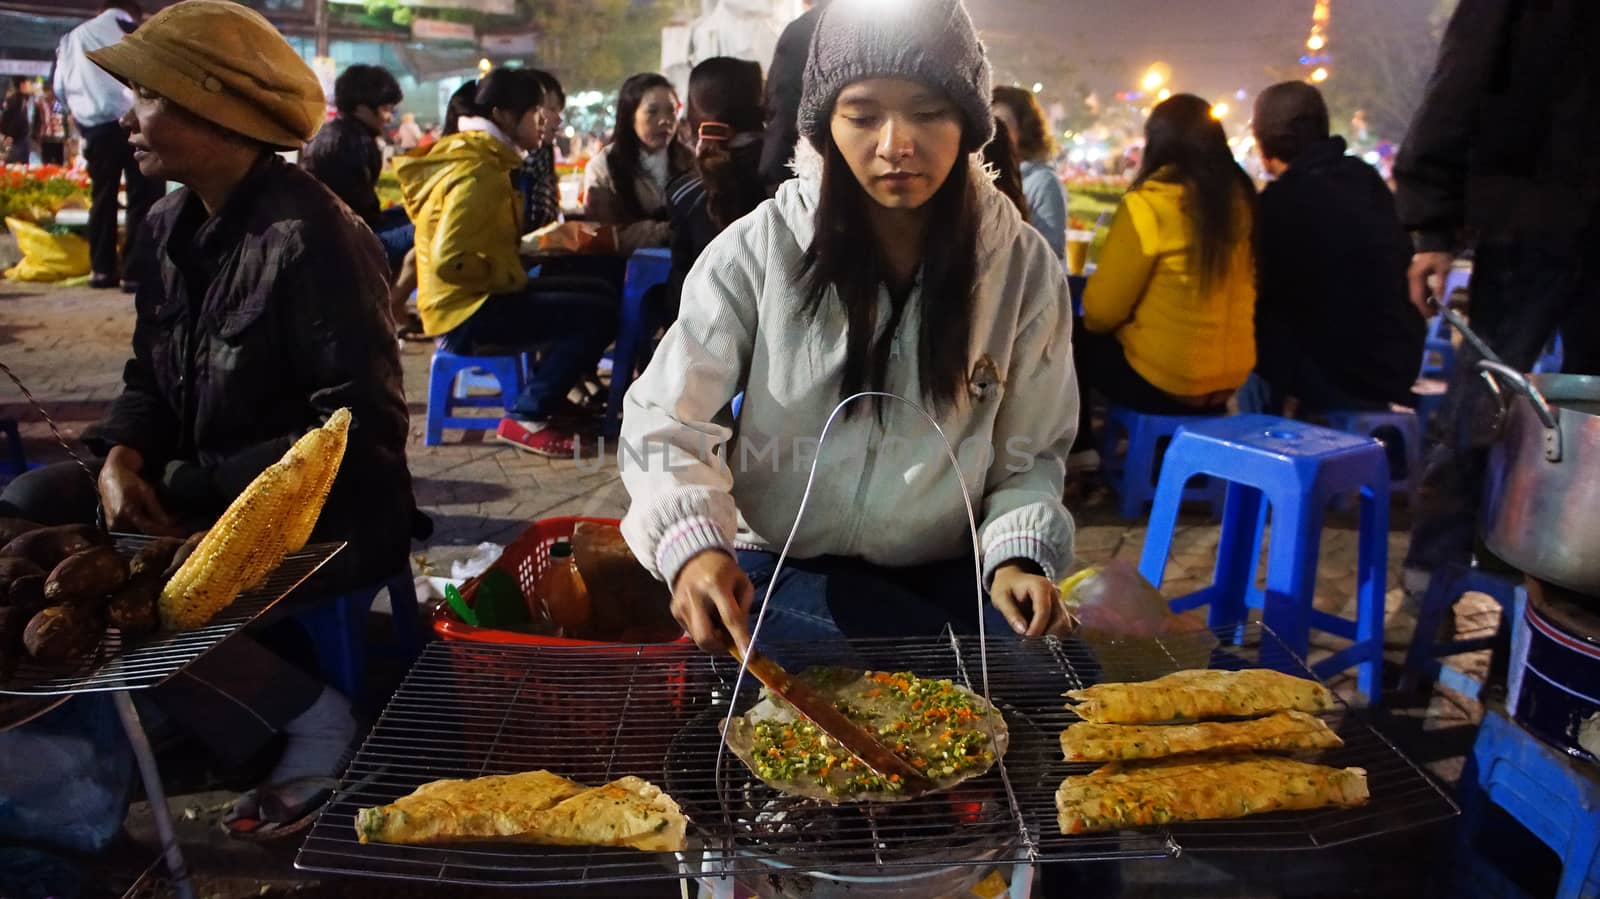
(1317, 56)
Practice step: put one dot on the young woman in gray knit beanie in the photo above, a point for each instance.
(890, 264)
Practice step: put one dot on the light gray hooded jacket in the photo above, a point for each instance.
(699, 480)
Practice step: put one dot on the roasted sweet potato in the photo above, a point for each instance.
(12, 568)
(155, 556)
(47, 547)
(87, 575)
(60, 633)
(133, 608)
(26, 593)
(12, 528)
(182, 555)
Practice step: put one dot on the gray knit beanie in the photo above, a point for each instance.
(929, 41)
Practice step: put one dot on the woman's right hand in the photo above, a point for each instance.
(712, 599)
(130, 502)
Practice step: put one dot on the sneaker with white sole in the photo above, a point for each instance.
(548, 439)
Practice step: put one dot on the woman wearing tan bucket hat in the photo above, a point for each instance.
(262, 308)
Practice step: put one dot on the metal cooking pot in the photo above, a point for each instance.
(1541, 510)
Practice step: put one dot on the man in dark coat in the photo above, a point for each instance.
(1334, 328)
(784, 79)
(1499, 159)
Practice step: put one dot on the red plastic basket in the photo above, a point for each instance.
(525, 559)
(547, 698)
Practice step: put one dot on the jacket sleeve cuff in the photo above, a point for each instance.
(1435, 242)
(1034, 547)
(685, 540)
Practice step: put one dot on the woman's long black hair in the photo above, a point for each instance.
(1185, 144)
(514, 90)
(623, 157)
(727, 91)
(844, 255)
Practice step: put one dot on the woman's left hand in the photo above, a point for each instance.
(1030, 602)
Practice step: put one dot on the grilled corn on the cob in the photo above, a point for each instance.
(273, 517)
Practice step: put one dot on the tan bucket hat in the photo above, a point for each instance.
(226, 64)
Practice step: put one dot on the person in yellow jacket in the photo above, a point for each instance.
(1169, 316)
(473, 291)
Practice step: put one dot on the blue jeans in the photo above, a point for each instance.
(573, 320)
(827, 599)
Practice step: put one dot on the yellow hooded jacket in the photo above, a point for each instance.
(469, 220)
(1183, 341)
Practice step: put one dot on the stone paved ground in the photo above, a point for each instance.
(68, 346)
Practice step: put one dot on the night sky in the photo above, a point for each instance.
(1213, 46)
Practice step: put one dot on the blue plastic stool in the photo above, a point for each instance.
(1438, 352)
(1445, 587)
(1366, 424)
(646, 269)
(1550, 794)
(1460, 278)
(1296, 468)
(1554, 355)
(444, 398)
(338, 630)
(1133, 476)
(16, 461)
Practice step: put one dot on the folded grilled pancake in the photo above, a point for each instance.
(626, 812)
(1198, 695)
(534, 807)
(1278, 732)
(1200, 788)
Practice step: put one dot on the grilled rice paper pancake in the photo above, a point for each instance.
(626, 812)
(533, 807)
(1278, 732)
(1201, 788)
(1198, 695)
(484, 808)
(940, 727)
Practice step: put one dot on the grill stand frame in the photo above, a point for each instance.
(165, 664)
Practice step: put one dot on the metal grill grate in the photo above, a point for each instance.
(467, 710)
(135, 664)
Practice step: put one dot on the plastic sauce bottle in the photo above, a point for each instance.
(561, 588)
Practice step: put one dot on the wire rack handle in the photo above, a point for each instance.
(94, 482)
(805, 499)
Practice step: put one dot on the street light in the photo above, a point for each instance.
(1316, 42)
(1164, 94)
(1219, 111)
(1037, 87)
(484, 65)
(1320, 75)
(1153, 79)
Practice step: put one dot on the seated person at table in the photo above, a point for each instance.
(537, 180)
(346, 157)
(1001, 157)
(1030, 138)
(626, 182)
(473, 289)
(725, 184)
(1335, 329)
(259, 313)
(890, 264)
(1168, 317)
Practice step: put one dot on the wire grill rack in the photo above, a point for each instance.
(468, 710)
(133, 664)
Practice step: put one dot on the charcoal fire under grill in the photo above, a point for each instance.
(468, 710)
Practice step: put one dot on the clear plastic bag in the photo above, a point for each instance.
(1135, 633)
